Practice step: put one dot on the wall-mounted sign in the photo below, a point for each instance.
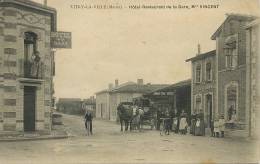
(61, 40)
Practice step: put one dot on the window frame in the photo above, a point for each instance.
(206, 71)
(196, 73)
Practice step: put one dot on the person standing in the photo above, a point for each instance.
(183, 123)
(200, 125)
(167, 123)
(88, 122)
(159, 116)
(193, 122)
(222, 126)
(175, 122)
(216, 127)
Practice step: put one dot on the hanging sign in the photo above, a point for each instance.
(61, 40)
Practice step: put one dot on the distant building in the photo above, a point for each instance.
(26, 65)
(90, 105)
(203, 85)
(108, 100)
(70, 106)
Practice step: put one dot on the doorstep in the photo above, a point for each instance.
(56, 133)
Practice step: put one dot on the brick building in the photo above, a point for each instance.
(203, 85)
(26, 65)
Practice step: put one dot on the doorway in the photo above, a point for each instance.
(209, 110)
(29, 108)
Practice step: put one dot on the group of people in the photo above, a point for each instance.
(172, 121)
(218, 127)
(195, 124)
(197, 127)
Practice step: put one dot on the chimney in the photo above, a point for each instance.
(199, 49)
(116, 83)
(110, 86)
(140, 81)
(45, 2)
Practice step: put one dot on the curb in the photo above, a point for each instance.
(35, 139)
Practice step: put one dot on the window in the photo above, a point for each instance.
(198, 73)
(208, 72)
(198, 103)
(30, 47)
(230, 50)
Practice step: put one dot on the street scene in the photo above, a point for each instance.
(109, 145)
(137, 82)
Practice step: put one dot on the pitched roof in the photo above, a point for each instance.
(175, 86)
(202, 56)
(253, 23)
(230, 16)
(137, 88)
(69, 99)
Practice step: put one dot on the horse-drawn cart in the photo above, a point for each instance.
(129, 112)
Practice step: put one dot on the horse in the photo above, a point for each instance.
(125, 115)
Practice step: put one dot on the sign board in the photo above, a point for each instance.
(61, 40)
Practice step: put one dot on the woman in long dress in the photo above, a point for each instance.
(200, 125)
(183, 123)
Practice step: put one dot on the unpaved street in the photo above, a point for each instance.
(109, 145)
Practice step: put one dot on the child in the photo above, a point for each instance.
(222, 125)
(216, 128)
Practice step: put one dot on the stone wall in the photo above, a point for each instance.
(204, 87)
(13, 23)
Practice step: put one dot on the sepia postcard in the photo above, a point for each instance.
(129, 81)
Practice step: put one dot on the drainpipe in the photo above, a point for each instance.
(249, 81)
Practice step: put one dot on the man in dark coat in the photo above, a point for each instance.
(193, 123)
(88, 120)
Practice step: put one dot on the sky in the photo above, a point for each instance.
(129, 44)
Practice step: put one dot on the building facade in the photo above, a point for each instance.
(203, 87)
(253, 78)
(232, 70)
(70, 106)
(26, 65)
